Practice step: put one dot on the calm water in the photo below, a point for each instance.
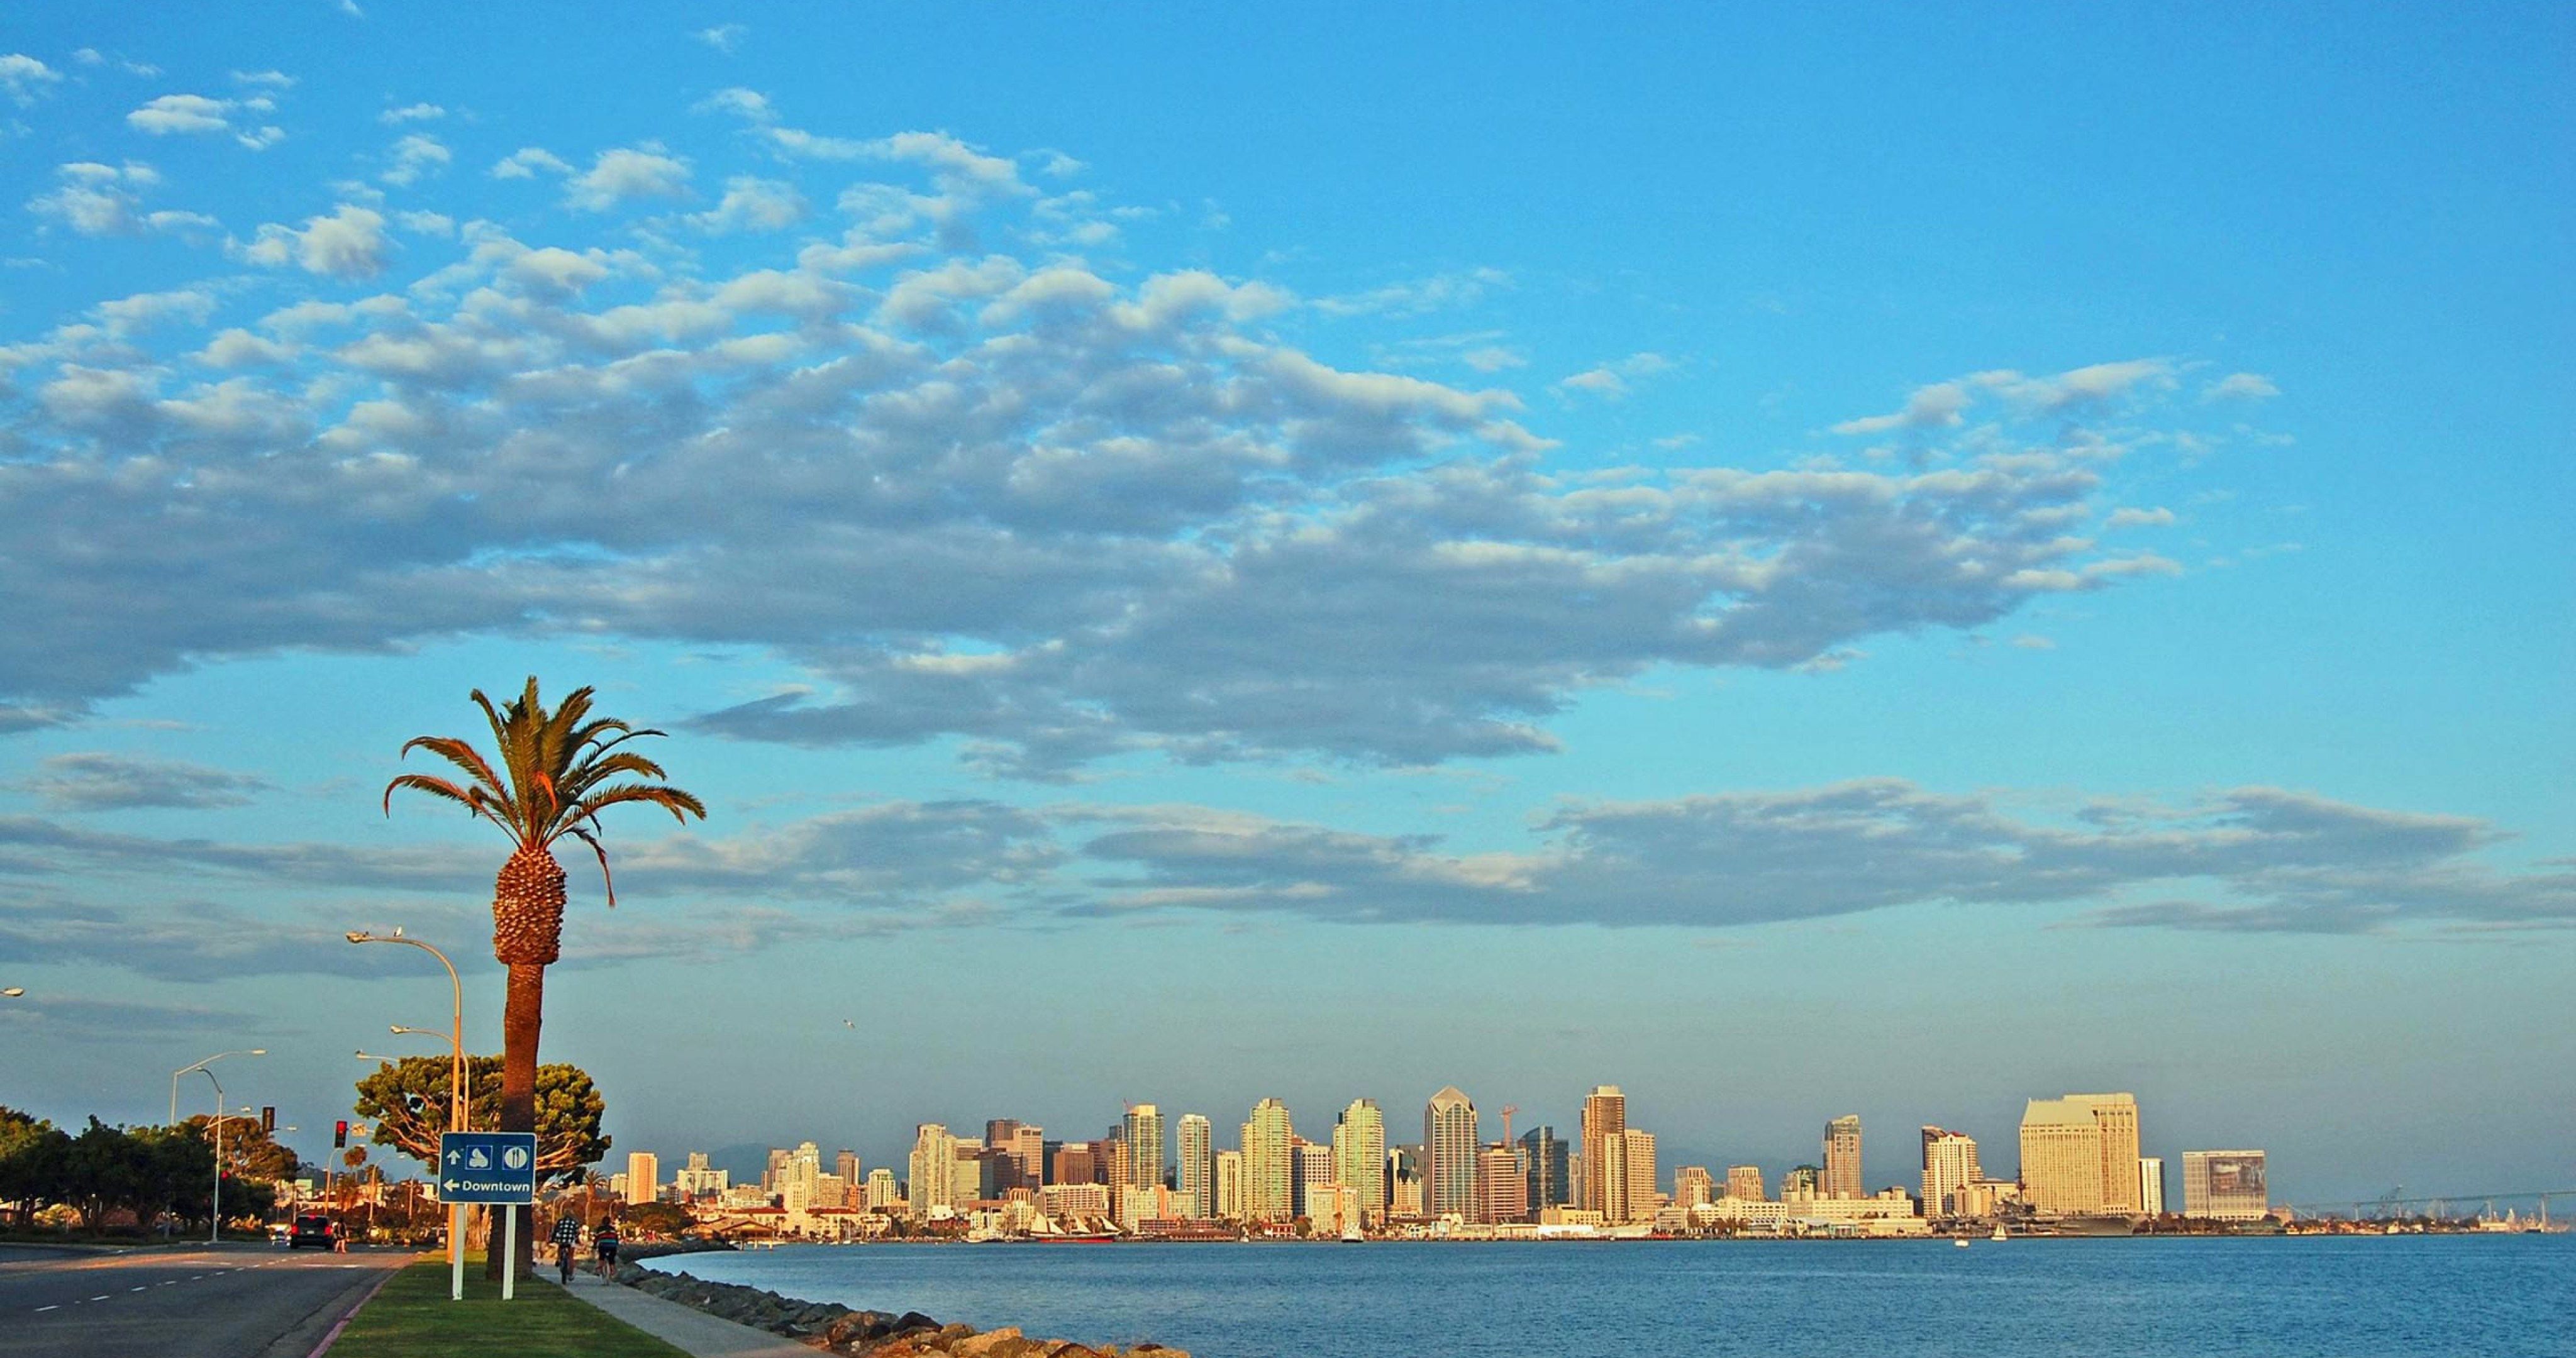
(2506, 1296)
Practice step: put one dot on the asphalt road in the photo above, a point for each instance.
(237, 1301)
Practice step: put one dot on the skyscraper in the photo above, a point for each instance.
(1359, 1157)
(1627, 1177)
(2151, 1185)
(1198, 1163)
(643, 1177)
(2225, 1186)
(1143, 1133)
(1449, 1155)
(1268, 1168)
(1544, 1158)
(1502, 1188)
(846, 1164)
(1842, 1157)
(2079, 1155)
(1229, 1185)
(1310, 1171)
(1744, 1181)
(1605, 1115)
(1949, 1164)
(934, 1169)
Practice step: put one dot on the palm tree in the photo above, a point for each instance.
(553, 781)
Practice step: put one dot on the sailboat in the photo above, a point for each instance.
(1999, 1232)
(1351, 1231)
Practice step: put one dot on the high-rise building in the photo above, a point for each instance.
(1268, 1163)
(1404, 1181)
(643, 1177)
(1502, 1187)
(1949, 1165)
(1080, 1162)
(699, 1180)
(882, 1192)
(1605, 1115)
(1198, 1163)
(1805, 1179)
(1842, 1157)
(1143, 1133)
(846, 1164)
(1449, 1155)
(2151, 1185)
(1359, 1157)
(1310, 1172)
(1692, 1186)
(1744, 1181)
(1229, 1185)
(2079, 1155)
(2225, 1186)
(1544, 1161)
(1627, 1177)
(934, 1169)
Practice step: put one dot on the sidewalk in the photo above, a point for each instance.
(682, 1327)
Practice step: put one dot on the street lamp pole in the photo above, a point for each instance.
(456, 1102)
(199, 1066)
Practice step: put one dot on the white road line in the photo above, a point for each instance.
(101, 1297)
(134, 1289)
(55, 1307)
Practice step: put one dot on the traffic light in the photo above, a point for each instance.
(340, 1134)
(268, 1119)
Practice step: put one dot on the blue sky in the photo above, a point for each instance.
(1889, 562)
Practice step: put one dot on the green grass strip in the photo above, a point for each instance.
(412, 1318)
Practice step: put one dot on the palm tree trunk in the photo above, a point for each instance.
(522, 1014)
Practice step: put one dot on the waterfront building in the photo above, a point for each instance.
(1811, 1212)
(1072, 1202)
(1268, 1163)
(970, 1173)
(1197, 1175)
(643, 1177)
(2225, 1186)
(1138, 1205)
(1449, 1127)
(1118, 1167)
(1605, 1115)
(2151, 1185)
(1310, 1167)
(1692, 1186)
(1842, 1157)
(1080, 1162)
(882, 1192)
(1359, 1157)
(1979, 1199)
(1143, 1133)
(1949, 1164)
(699, 1180)
(1801, 1179)
(1502, 1186)
(1627, 1177)
(934, 1170)
(1744, 1181)
(1544, 1160)
(2079, 1155)
(617, 1186)
(1404, 1181)
(1229, 1185)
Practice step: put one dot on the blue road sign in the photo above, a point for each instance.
(487, 1167)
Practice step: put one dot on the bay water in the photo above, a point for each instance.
(2297, 1297)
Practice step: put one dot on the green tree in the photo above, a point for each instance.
(407, 1101)
(657, 1218)
(558, 770)
(32, 1163)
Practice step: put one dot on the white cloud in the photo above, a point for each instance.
(526, 161)
(754, 204)
(749, 105)
(2095, 384)
(1610, 380)
(414, 156)
(723, 37)
(1934, 407)
(1493, 358)
(411, 113)
(349, 244)
(628, 173)
(128, 316)
(182, 114)
(107, 200)
(2241, 386)
(1416, 297)
(274, 80)
(2131, 517)
(25, 79)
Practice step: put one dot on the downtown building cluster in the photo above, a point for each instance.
(1149, 1176)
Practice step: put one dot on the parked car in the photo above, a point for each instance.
(311, 1229)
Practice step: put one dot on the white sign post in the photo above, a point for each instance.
(499, 1168)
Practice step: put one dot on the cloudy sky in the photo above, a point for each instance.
(1889, 564)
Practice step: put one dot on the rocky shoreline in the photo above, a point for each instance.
(834, 1328)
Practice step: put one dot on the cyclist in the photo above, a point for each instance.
(567, 1235)
(603, 1238)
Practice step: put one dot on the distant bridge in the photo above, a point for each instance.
(2390, 1203)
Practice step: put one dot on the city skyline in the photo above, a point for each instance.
(1580, 540)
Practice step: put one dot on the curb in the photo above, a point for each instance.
(332, 1336)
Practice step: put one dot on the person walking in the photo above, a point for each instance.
(567, 1238)
(603, 1238)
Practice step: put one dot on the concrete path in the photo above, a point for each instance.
(683, 1327)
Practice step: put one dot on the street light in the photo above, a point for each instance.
(455, 1097)
(201, 1066)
